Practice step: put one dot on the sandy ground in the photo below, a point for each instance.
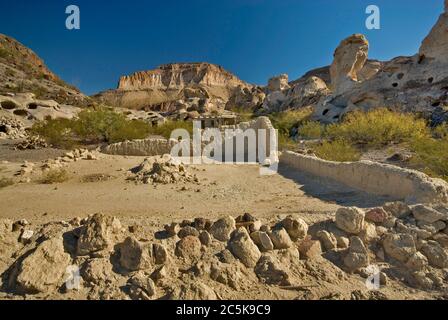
(222, 190)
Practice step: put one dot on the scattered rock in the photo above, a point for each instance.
(376, 215)
(309, 249)
(142, 286)
(205, 238)
(134, 255)
(97, 234)
(295, 227)
(262, 240)
(357, 256)
(172, 229)
(436, 255)
(223, 228)
(399, 246)
(350, 220)
(242, 247)
(280, 239)
(188, 231)
(417, 262)
(43, 270)
(271, 271)
(328, 240)
(26, 236)
(427, 214)
(189, 248)
(397, 209)
(160, 254)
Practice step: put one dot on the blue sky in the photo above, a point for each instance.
(255, 39)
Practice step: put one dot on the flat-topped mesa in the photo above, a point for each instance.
(179, 75)
(435, 44)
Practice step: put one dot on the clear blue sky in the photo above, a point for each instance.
(255, 39)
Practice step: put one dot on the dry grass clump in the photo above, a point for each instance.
(55, 176)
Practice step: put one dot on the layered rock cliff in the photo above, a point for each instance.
(199, 87)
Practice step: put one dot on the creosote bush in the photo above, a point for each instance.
(54, 176)
(338, 150)
(165, 129)
(311, 130)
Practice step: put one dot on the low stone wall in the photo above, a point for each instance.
(143, 147)
(372, 177)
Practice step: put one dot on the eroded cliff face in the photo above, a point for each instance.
(178, 76)
(411, 84)
(170, 88)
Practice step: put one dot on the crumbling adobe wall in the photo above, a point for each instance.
(372, 177)
(142, 147)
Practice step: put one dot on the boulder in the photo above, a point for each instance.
(188, 231)
(160, 254)
(205, 238)
(172, 229)
(270, 271)
(427, 214)
(262, 240)
(328, 240)
(223, 228)
(142, 286)
(43, 270)
(349, 59)
(98, 271)
(376, 215)
(242, 247)
(278, 83)
(97, 234)
(417, 262)
(399, 246)
(397, 209)
(437, 256)
(134, 255)
(280, 238)
(309, 249)
(188, 248)
(350, 219)
(295, 227)
(357, 256)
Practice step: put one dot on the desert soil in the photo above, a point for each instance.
(222, 190)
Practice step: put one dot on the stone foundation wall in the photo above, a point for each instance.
(372, 177)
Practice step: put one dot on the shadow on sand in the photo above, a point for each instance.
(330, 190)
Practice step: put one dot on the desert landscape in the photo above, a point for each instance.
(93, 205)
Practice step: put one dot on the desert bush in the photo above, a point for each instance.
(285, 121)
(56, 132)
(54, 176)
(441, 131)
(91, 126)
(338, 150)
(244, 114)
(4, 53)
(166, 128)
(378, 127)
(431, 156)
(5, 182)
(311, 130)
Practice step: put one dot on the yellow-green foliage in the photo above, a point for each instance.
(5, 182)
(285, 121)
(338, 150)
(91, 126)
(54, 176)
(166, 128)
(56, 132)
(311, 130)
(378, 127)
(244, 114)
(431, 156)
(441, 131)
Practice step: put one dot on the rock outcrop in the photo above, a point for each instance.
(202, 87)
(410, 84)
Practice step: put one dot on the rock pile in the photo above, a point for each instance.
(11, 128)
(204, 259)
(163, 170)
(31, 143)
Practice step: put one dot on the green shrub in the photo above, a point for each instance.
(54, 176)
(5, 182)
(285, 121)
(441, 131)
(166, 128)
(338, 150)
(56, 132)
(91, 126)
(244, 114)
(378, 127)
(431, 156)
(311, 130)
